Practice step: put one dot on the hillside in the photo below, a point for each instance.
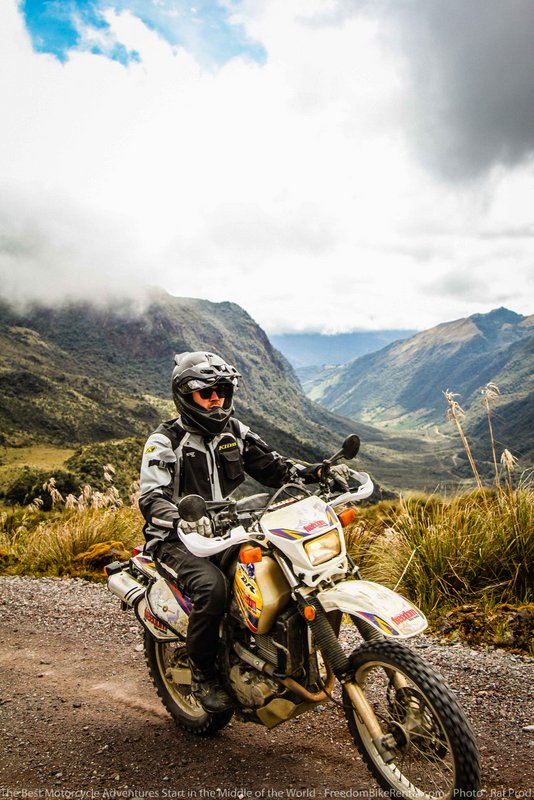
(80, 374)
(401, 386)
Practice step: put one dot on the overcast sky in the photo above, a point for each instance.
(329, 165)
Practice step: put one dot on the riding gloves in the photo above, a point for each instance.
(341, 475)
(202, 526)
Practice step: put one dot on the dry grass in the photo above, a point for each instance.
(478, 546)
(81, 534)
(443, 553)
(455, 413)
(67, 543)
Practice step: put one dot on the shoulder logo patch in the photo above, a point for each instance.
(150, 449)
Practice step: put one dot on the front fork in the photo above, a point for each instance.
(335, 658)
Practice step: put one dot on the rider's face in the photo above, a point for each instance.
(213, 401)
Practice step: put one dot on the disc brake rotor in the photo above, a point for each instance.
(411, 713)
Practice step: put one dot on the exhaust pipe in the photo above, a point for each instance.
(125, 587)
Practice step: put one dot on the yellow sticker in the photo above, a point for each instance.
(150, 449)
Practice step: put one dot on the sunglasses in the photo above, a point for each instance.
(220, 390)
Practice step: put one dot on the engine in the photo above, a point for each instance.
(252, 688)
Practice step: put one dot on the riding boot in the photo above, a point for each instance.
(206, 688)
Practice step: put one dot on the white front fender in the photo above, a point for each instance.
(388, 612)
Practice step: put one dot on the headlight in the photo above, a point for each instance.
(323, 548)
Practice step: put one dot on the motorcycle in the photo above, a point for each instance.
(292, 581)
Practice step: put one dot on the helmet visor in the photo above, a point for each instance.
(196, 385)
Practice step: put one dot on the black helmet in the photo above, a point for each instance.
(194, 371)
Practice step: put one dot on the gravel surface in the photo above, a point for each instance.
(79, 716)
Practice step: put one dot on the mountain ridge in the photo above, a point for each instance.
(78, 374)
(402, 385)
(305, 350)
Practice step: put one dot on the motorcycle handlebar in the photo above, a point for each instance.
(204, 547)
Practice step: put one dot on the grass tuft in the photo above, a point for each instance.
(67, 543)
(476, 547)
(444, 554)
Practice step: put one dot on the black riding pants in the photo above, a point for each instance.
(205, 585)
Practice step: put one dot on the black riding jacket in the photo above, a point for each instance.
(176, 463)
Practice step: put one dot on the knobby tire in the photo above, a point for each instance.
(434, 737)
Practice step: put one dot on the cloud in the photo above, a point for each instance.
(206, 29)
(471, 88)
(468, 67)
(50, 253)
(295, 185)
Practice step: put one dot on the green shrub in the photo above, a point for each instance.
(124, 455)
(30, 485)
(99, 465)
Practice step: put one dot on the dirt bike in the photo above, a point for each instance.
(291, 582)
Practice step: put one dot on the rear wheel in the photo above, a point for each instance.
(427, 748)
(169, 669)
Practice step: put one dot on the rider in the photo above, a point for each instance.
(205, 451)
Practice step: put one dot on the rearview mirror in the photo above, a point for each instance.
(351, 446)
(192, 507)
(349, 450)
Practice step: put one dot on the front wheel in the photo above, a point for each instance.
(168, 666)
(427, 748)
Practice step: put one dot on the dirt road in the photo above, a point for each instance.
(79, 716)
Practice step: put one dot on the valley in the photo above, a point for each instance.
(483, 359)
(78, 377)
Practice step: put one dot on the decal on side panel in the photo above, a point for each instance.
(248, 595)
(183, 601)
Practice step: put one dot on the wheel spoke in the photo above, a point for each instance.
(169, 657)
(422, 721)
(415, 763)
(169, 669)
